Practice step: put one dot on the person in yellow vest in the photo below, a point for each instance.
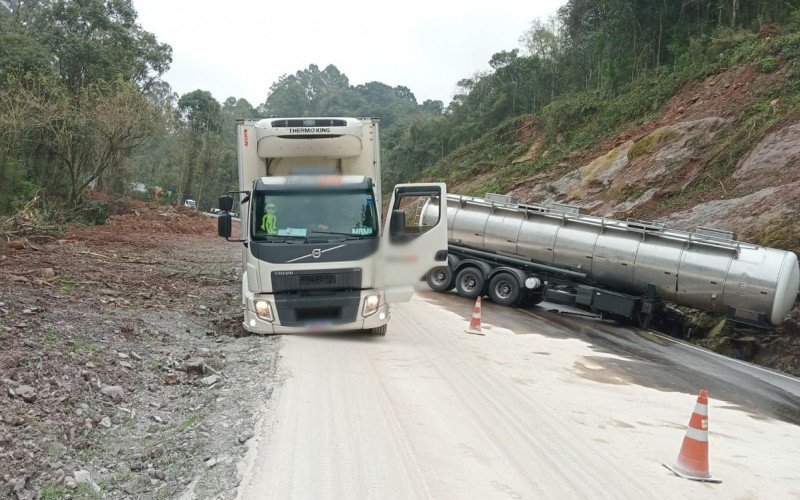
(268, 222)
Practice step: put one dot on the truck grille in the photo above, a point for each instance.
(327, 279)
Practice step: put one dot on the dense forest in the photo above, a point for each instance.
(83, 104)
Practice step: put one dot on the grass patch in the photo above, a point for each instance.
(54, 450)
(66, 285)
(189, 422)
(52, 492)
(628, 193)
(92, 348)
(146, 338)
(91, 452)
(84, 491)
(780, 235)
(650, 142)
(768, 64)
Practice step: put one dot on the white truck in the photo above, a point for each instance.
(316, 256)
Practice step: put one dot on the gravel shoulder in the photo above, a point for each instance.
(124, 370)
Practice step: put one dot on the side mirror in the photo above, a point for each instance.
(225, 203)
(397, 225)
(224, 223)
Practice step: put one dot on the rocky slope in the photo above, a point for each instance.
(657, 170)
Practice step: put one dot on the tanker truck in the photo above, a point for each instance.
(522, 254)
(315, 254)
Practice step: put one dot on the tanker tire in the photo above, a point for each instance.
(440, 279)
(505, 290)
(470, 282)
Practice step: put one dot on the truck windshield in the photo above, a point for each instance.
(309, 214)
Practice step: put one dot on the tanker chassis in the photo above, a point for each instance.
(523, 254)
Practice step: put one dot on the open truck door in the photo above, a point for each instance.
(411, 246)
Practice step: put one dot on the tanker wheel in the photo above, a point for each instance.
(504, 289)
(470, 282)
(440, 279)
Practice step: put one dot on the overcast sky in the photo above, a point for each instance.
(240, 48)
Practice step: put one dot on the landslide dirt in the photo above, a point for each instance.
(124, 371)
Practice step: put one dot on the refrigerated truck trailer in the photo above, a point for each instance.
(519, 253)
(316, 254)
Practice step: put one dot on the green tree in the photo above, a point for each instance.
(99, 40)
(81, 92)
(87, 134)
(203, 118)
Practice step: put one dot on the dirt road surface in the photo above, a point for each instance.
(543, 405)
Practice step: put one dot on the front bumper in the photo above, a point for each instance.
(253, 323)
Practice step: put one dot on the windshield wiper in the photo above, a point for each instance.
(294, 238)
(282, 239)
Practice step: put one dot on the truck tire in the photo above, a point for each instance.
(470, 282)
(378, 331)
(505, 289)
(440, 279)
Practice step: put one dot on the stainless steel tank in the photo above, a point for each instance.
(706, 269)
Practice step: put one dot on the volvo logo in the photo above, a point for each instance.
(316, 253)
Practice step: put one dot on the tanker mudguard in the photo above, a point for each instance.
(453, 260)
(483, 266)
(521, 276)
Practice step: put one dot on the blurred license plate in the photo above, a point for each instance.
(318, 325)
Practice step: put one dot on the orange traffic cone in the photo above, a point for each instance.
(692, 460)
(475, 322)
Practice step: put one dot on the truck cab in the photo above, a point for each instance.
(316, 255)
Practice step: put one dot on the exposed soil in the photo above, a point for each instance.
(120, 370)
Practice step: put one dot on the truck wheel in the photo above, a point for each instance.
(470, 282)
(378, 332)
(504, 289)
(440, 279)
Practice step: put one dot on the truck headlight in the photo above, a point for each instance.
(370, 305)
(263, 310)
